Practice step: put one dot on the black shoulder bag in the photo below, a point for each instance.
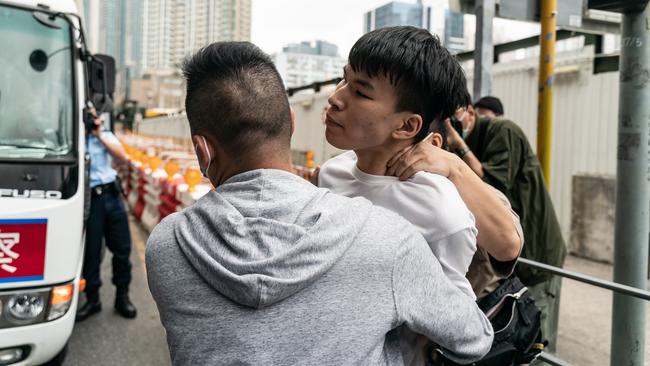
(517, 327)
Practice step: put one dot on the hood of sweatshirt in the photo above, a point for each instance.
(266, 234)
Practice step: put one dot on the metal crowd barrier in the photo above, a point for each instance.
(590, 280)
(613, 286)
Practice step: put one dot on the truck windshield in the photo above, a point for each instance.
(36, 86)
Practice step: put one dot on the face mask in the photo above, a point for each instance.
(196, 147)
(465, 133)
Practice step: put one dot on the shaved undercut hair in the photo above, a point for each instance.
(236, 96)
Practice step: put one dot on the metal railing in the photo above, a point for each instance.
(609, 285)
(551, 360)
(590, 280)
(315, 85)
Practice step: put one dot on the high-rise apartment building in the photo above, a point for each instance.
(114, 27)
(110, 29)
(132, 35)
(153, 36)
(104, 22)
(229, 20)
(174, 29)
(90, 11)
(308, 62)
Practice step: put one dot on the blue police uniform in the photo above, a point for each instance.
(107, 221)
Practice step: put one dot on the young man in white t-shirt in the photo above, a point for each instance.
(428, 201)
(397, 81)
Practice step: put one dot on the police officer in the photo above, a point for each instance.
(107, 220)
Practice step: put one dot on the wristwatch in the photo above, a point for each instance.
(462, 152)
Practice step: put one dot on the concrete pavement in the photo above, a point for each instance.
(586, 316)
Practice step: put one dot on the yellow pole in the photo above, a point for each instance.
(545, 98)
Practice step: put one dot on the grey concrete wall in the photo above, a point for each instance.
(593, 208)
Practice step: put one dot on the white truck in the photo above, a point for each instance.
(47, 77)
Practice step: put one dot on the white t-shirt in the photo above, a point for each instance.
(429, 201)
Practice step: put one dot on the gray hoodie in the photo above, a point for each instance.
(270, 270)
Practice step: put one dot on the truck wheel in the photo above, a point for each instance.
(59, 358)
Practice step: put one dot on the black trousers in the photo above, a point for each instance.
(107, 220)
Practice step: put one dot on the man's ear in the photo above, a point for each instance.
(436, 140)
(411, 125)
(199, 149)
(293, 121)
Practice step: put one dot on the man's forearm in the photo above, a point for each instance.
(496, 230)
(116, 150)
(472, 161)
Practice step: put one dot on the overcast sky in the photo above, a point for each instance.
(276, 23)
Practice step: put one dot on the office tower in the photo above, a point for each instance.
(307, 62)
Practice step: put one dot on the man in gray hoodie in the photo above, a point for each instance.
(268, 269)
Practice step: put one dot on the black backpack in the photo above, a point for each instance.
(516, 321)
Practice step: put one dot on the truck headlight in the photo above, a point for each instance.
(60, 301)
(9, 356)
(25, 307)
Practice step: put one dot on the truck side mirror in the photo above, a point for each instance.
(101, 81)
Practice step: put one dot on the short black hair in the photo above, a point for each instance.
(429, 81)
(235, 95)
(491, 103)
